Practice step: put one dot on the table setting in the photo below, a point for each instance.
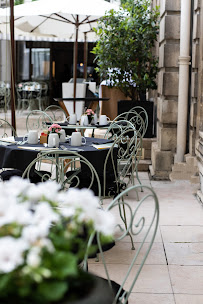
(19, 152)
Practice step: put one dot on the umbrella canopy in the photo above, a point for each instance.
(59, 18)
(68, 19)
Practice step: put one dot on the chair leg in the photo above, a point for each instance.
(123, 217)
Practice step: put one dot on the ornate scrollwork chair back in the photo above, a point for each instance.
(5, 93)
(76, 172)
(37, 120)
(56, 113)
(140, 122)
(142, 227)
(140, 112)
(6, 129)
(125, 141)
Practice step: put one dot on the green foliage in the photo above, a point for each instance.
(126, 40)
(17, 2)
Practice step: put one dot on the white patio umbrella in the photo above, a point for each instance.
(69, 19)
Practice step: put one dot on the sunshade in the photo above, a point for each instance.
(69, 19)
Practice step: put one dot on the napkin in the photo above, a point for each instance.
(10, 139)
(37, 148)
(103, 146)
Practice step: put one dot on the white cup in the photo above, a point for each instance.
(76, 139)
(103, 120)
(32, 137)
(62, 136)
(84, 120)
(72, 119)
(53, 140)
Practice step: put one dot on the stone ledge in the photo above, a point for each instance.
(144, 165)
(159, 175)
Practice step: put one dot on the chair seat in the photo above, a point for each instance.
(35, 178)
(7, 174)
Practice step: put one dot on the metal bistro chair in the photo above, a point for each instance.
(140, 125)
(142, 227)
(37, 120)
(134, 115)
(5, 93)
(124, 135)
(32, 94)
(44, 94)
(56, 113)
(49, 166)
(6, 129)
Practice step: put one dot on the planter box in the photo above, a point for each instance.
(126, 105)
(110, 107)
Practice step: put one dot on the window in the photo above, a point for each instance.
(40, 63)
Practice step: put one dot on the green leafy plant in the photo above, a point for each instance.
(43, 238)
(124, 48)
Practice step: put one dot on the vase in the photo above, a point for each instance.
(90, 291)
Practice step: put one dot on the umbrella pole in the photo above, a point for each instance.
(13, 118)
(85, 56)
(75, 60)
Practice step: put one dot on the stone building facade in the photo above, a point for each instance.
(167, 97)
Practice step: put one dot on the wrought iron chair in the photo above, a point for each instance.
(56, 113)
(140, 125)
(6, 129)
(78, 172)
(44, 94)
(37, 120)
(124, 138)
(134, 115)
(143, 230)
(31, 93)
(5, 95)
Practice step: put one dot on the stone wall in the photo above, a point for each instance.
(167, 94)
(197, 119)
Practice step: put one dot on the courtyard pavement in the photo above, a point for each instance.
(173, 271)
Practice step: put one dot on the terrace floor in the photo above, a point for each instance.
(173, 271)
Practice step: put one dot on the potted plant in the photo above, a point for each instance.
(124, 50)
(44, 235)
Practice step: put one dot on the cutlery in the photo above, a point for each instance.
(69, 149)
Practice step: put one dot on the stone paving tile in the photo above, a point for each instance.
(152, 279)
(182, 233)
(186, 279)
(184, 253)
(188, 299)
(122, 253)
(151, 298)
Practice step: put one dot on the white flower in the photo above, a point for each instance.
(67, 211)
(16, 185)
(11, 253)
(33, 257)
(83, 198)
(47, 189)
(33, 233)
(104, 222)
(11, 211)
(44, 214)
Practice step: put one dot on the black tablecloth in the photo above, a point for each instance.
(15, 156)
